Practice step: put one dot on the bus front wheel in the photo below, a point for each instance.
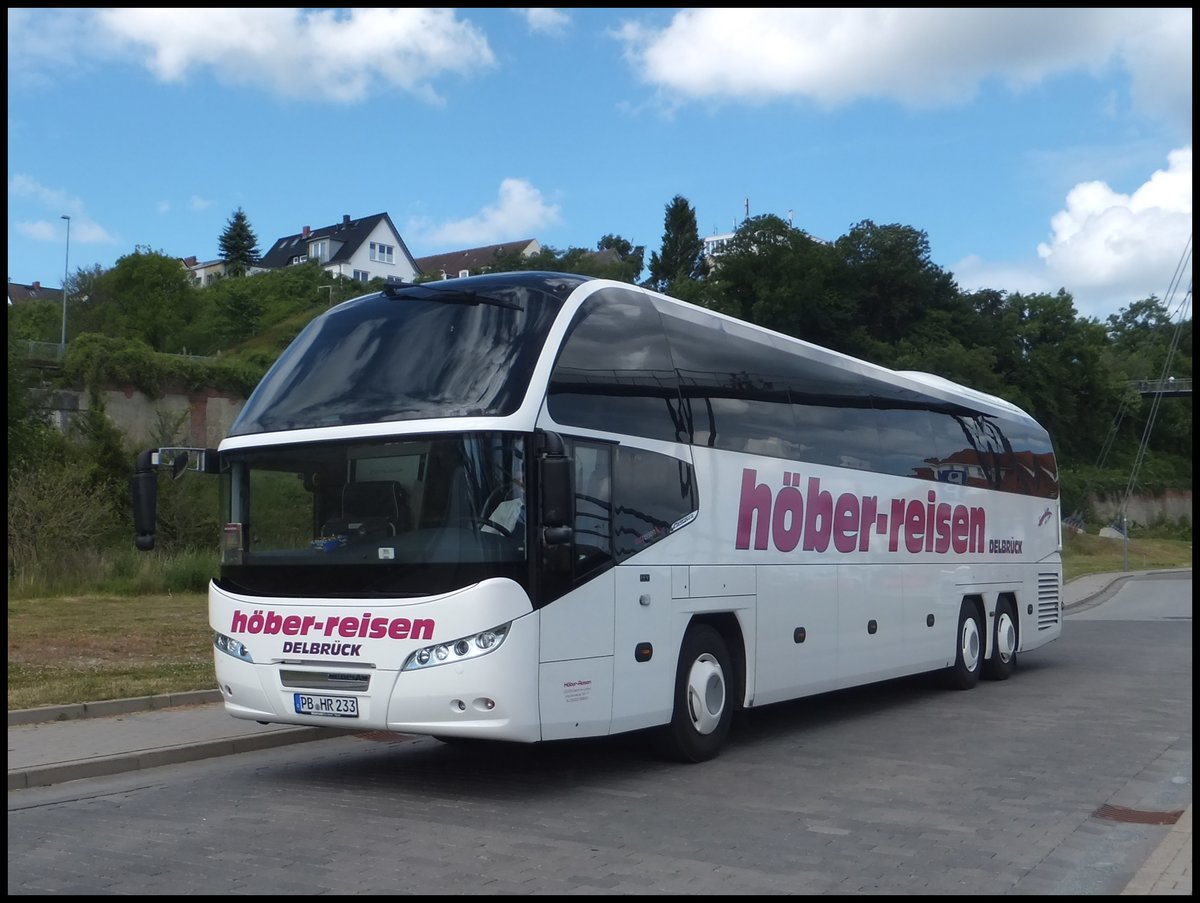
(968, 649)
(703, 707)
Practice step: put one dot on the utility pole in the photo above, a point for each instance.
(66, 266)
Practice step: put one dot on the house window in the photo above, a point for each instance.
(319, 251)
(362, 276)
(382, 252)
(464, 273)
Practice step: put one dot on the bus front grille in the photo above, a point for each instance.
(325, 680)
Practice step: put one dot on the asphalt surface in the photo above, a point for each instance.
(55, 744)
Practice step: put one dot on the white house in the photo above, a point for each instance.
(361, 249)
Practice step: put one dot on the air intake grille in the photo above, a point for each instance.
(325, 680)
(1048, 601)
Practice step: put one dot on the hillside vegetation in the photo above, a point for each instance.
(874, 293)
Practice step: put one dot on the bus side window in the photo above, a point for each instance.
(593, 506)
(651, 494)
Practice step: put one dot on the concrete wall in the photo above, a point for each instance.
(206, 416)
(1147, 509)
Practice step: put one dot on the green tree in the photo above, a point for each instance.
(1147, 345)
(887, 273)
(777, 276)
(628, 260)
(239, 245)
(237, 306)
(36, 320)
(682, 254)
(147, 295)
(30, 435)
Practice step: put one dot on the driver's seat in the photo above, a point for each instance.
(372, 508)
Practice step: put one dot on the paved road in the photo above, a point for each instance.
(1038, 785)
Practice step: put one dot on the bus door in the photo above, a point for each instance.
(577, 627)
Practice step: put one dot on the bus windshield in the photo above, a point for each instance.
(408, 353)
(392, 517)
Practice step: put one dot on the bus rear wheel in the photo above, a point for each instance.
(968, 649)
(703, 707)
(1004, 644)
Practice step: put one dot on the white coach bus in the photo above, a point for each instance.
(535, 506)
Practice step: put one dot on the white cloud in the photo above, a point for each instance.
(1106, 248)
(56, 203)
(342, 56)
(918, 57)
(1126, 246)
(518, 213)
(199, 203)
(547, 21)
(23, 186)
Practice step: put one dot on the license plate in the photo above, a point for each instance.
(333, 706)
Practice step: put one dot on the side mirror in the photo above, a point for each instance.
(556, 488)
(145, 499)
(557, 494)
(179, 466)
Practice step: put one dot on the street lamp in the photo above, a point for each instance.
(66, 264)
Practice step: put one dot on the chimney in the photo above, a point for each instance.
(306, 233)
(345, 219)
(36, 286)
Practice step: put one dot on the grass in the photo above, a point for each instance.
(84, 648)
(71, 649)
(1086, 553)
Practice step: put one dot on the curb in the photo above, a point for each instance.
(1113, 581)
(103, 766)
(109, 707)
(1168, 871)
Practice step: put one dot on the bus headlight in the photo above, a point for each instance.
(458, 650)
(230, 646)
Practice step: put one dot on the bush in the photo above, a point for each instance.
(55, 512)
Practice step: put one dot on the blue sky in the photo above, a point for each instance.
(1038, 149)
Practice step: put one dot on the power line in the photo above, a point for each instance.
(1156, 399)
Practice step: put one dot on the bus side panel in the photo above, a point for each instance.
(930, 594)
(575, 678)
(580, 623)
(576, 698)
(655, 606)
(797, 632)
(875, 634)
(643, 690)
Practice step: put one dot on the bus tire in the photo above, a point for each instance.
(703, 707)
(1004, 643)
(968, 649)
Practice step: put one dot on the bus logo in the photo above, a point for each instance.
(812, 518)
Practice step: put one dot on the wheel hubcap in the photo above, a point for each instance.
(970, 644)
(706, 693)
(1006, 637)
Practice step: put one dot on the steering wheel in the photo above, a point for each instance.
(481, 521)
(497, 495)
